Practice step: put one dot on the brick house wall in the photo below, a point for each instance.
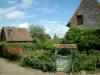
(90, 12)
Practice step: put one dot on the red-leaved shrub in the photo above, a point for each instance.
(15, 51)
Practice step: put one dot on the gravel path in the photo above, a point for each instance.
(7, 68)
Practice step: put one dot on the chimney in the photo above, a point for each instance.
(9, 32)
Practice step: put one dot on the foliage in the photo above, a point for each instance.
(15, 51)
(37, 43)
(3, 50)
(27, 46)
(88, 43)
(40, 59)
(82, 61)
(11, 50)
(49, 45)
(37, 31)
(86, 39)
(47, 36)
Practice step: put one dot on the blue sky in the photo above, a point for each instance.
(52, 14)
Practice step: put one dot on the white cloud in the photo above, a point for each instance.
(54, 22)
(44, 21)
(11, 2)
(24, 25)
(11, 14)
(15, 15)
(6, 10)
(47, 31)
(6, 25)
(60, 31)
(48, 10)
(26, 3)
(54, 27)
(49, 22)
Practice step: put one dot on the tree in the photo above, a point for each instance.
(37, 31)
(47, 36)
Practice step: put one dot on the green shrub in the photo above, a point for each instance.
(86, 39)
(27, 46)
(82, 61)
(40, 59)
(37, 42)
(3, 51)
(87, 57)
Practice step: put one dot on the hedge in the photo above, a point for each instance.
(87, 57)
(40, 59)
(86, 39)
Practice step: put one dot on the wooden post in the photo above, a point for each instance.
(60, 46)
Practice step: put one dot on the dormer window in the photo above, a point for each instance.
(79, 19)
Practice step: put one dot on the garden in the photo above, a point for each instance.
(40, 54)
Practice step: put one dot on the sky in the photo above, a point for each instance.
(53, 15)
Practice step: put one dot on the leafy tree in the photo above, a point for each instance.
(37, 31)
(47, 36)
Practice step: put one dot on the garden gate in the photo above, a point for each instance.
(63, 63)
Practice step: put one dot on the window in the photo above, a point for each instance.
(79, 19)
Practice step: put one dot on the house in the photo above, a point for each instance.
(87, 15)
(12, 34)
